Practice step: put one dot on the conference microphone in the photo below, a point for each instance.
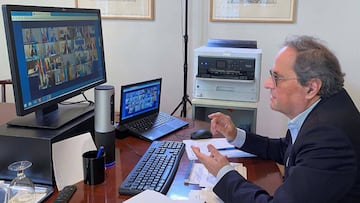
(104, 122)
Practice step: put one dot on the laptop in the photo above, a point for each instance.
(140, 111)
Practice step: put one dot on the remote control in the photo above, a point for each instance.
(65, 194)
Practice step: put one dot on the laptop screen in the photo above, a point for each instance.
(140, 99)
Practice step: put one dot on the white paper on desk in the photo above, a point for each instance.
(148, 196)
(200, 175)
(219, 143)
(206, 195)
(67, 159)
(153, 196)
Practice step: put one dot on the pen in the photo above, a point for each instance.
(226, 148)
(99, 152)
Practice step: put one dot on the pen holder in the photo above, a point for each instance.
(93, 167)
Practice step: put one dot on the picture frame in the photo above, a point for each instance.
(259, 11)
(121, 9)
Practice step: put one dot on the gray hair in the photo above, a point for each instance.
(315, 60)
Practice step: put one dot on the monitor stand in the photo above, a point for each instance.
(35, 145)
(59, 116)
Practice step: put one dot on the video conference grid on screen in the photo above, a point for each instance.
(141, 98)
(60, 55)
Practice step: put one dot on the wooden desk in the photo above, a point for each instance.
(129, 150)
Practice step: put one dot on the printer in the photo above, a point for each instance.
(227, 73)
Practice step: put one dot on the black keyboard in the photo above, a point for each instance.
(148, 122)
(156, 168)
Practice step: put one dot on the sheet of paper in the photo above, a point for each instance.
(219, 143)
(206, 195)
(67, 159)
(40, 192)
(200, 175)
(242, 170)
(148, 195)
(38, 197)
(153, 196)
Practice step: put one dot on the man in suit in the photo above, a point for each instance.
(321, 150)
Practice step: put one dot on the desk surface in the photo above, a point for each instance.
(129, 150)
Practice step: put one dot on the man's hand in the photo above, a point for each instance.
(223, 125)
(214, 162)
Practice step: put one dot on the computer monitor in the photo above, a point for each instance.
(55, 54)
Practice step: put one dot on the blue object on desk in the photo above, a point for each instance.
(100, 152)
(226, 148)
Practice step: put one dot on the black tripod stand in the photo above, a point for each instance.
(185, 97)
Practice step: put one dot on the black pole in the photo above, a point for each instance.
(185, 97)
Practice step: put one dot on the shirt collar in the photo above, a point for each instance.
(295, 124)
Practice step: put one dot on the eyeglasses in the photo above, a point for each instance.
(276, 78)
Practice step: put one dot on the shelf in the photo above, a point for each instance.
(224, 103)
(243, 114)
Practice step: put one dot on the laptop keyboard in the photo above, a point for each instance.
(148, 122)
(156, 168)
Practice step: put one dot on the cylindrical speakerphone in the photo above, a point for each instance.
(104, 121)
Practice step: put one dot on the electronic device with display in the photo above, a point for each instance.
(55, 54)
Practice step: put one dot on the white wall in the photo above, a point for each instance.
(137, 50)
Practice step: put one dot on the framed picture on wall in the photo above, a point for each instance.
(278, 11)
(121, 9)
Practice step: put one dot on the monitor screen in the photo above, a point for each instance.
(54, 54)
(140, 98)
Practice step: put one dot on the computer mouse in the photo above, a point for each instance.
(201, 134)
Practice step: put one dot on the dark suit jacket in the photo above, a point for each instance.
(324, 161)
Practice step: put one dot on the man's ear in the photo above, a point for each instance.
(313, 87)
